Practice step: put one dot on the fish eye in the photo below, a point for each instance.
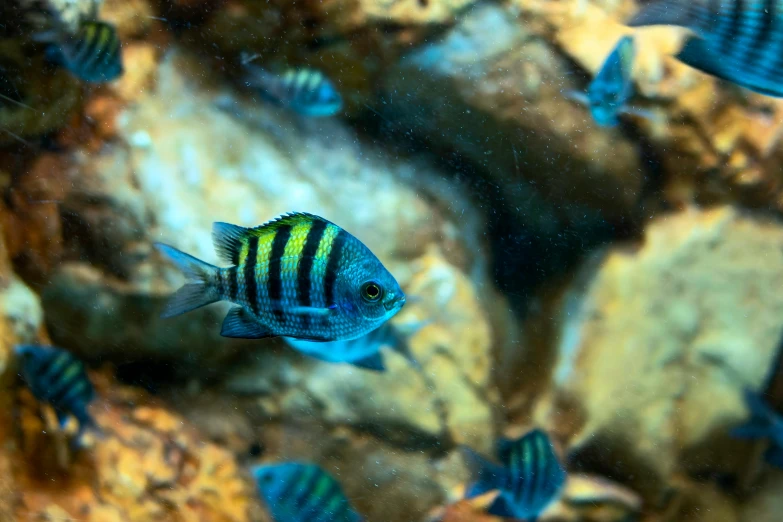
(371, 291)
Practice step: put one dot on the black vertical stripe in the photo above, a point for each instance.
(307, 488)
(292, 484)
(249, 270)
(761, 41)
(63, 384)
(233, 284)
(735, 25)
(303, 275)
(319, 504)
(92, 61)
(335, 257)
(274, 283)
(90, 47)
(219, 285)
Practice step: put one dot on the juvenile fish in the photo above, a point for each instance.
(611, 89)
(364, 352)
(764, 423)
(297, 276)
(529, 479)
(92, 53)
(740, 41)
(295, 492)
(305, 91)
(56, 377)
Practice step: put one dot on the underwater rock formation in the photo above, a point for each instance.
(657, 347)
(186, 153)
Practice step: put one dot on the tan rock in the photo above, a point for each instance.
(654, 358)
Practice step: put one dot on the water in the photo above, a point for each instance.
(616, 288)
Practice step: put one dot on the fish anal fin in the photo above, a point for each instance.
(373, 362)
(500, 508)
(239, 324)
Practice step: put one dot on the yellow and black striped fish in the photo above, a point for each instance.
(92, 54)
(305, 91)
(56, 377)
(530, 478)
(298, 276)
(740, 41)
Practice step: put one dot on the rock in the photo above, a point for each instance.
(653, 357)
(765, 503)
(499, 102)
(150, 465)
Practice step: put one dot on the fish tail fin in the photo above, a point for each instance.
(198, 291)
(486, 475)
(665, 12)
(760, 422)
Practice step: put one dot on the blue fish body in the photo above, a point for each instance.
(612, 88)
(56, 377)
(529, 478)
(364, 352)
(307, 92)
(296, 492)
(764, 423)
(740, 41)
(92, 54)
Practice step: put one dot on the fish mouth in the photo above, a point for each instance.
(395, 303)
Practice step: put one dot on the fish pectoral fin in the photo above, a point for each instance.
(239, 324)
(500, 508)
(373, 362)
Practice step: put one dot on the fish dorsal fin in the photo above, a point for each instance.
(666, 12)
(228, 238)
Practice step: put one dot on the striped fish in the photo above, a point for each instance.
(92, 54)
(764, 423)
(56, 377)
(305, 91)
(530, 478)
(740, 41)
(295, 492)
(298, 276)
(364, 352)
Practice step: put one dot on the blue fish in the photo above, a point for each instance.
(92, 53)
(56, 377)
(764, 423)
(305, 91)
(608, 94)
(740, 41)
(364, 352)
(529, 479)
(295, 492)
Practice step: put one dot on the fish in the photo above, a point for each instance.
(298, 492)
(364, 352)
(305, 91)
(297, 276)
(740, 41)
(764, 423)
(529, 477)
(92, 53)
(56, 377)
(611, 89)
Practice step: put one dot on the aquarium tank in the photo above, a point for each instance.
(391, 261)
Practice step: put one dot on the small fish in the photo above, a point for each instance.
(529, 479)
(364, 352)
(305, 91)
(764, 423)
(611, 89)
(295, 492)
(740, 41)
(56, 377)
(92, 54)
(297, 276)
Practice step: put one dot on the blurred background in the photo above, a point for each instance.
(618, 287)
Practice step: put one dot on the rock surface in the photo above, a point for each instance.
(652, 362)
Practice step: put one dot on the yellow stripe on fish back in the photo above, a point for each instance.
(289, 264)
(318, 272)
